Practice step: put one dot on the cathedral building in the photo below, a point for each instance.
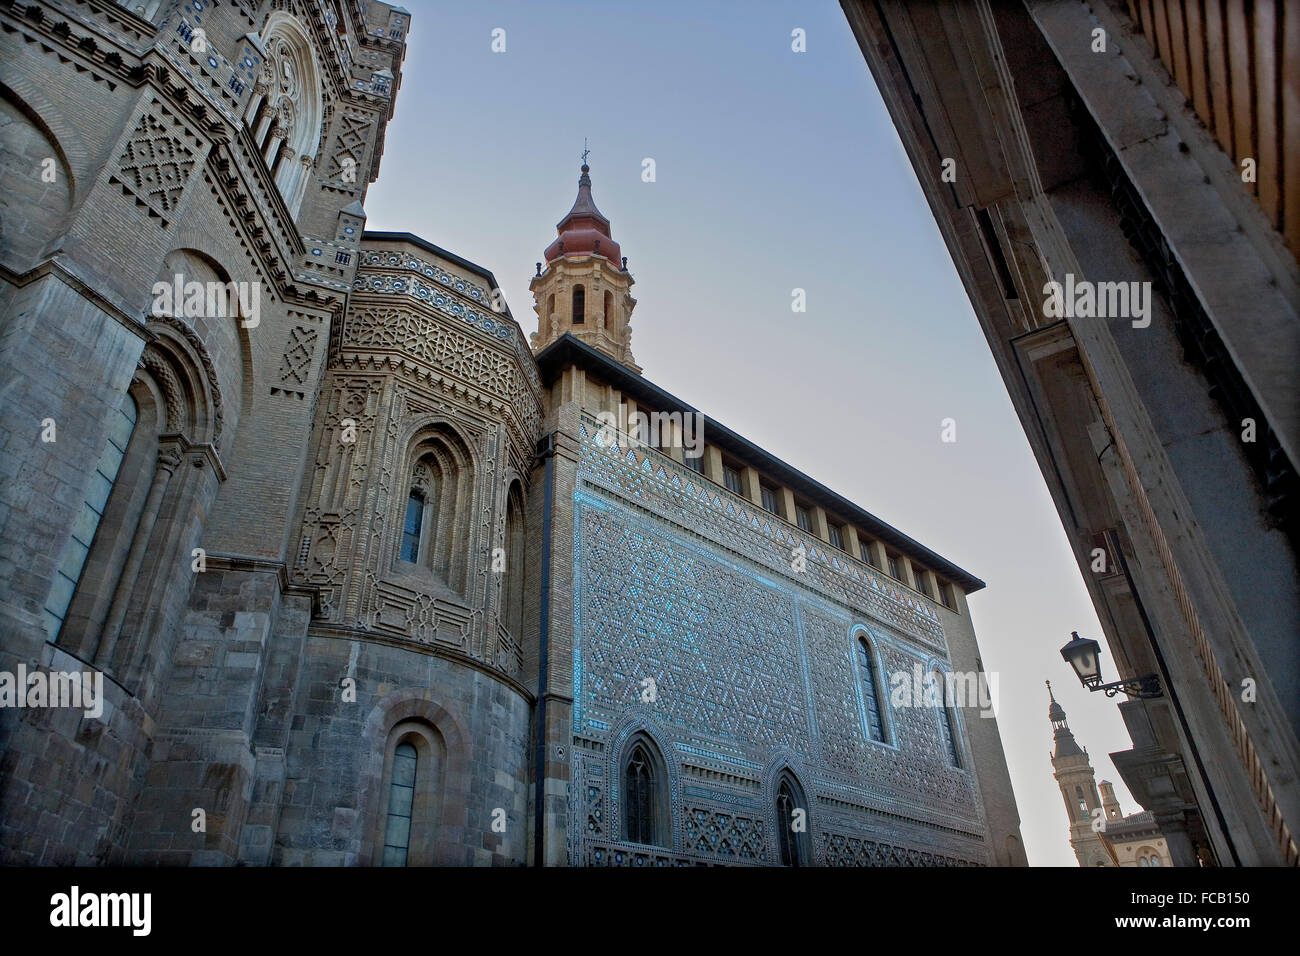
(365, 576)
(1100, 833)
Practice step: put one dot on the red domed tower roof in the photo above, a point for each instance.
(584, 231)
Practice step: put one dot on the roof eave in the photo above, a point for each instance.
(569, 350)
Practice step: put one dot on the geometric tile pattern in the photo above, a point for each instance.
(681, 582)
(840, 850)
(720, 646)
(155, 166)
(298, 351)
(660, 485)
(724, 834)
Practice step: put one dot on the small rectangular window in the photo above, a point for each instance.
(868, 552)
(731, 478)
(802, 518)
(922, 584)
(895, 570)
(836, 536)
(770, 500)
(694, 462)
(945, 594)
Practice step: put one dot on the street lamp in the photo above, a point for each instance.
(1084, 655)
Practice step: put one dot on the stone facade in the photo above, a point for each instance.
(1094, 145)
(363, 584)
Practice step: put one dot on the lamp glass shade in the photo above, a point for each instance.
(1084, 655)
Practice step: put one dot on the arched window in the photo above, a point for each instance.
(947, 728)
(78, 545)
(513, 585)
(871, 691)
(413, 526)
(645, 811)
(579, 303)
(401, 800)
(435, 532)
(609, 307)
(791, 823)
(1083, 804)
(408, 811)
(286, 112)
(639, 796)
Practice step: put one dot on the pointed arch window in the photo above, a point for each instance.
(644, 811)
(77, 549)
(579, 304)
(791, 824)
(431, 522)
(871, 691)
(513, 585)
(947, 727)
(401, 800)
(639, 796)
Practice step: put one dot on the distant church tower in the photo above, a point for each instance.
(585, 288)
(1074, 775)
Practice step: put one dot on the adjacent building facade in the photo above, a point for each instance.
(367, 579)
(1119, 187)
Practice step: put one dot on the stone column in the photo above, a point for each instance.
(168, 459)
(851, 543)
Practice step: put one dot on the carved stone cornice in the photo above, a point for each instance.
(77, 38)
(436, 384)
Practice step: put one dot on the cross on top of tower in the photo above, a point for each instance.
(585, 151)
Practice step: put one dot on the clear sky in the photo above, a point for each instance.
(775, 170)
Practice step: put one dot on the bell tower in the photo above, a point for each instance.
(584, 287)
(1074, 775)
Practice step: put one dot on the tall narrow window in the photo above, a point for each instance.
(401, 799)
(609, 307)
(922, 582)
(731, 478)
(412, 526)
(92, 512)
(768, 496)
(870, 691)
(639, 796)
(947, 729)
(694, 462)
(895, 569)
(945, 594)
(868, 552)
(513, 585)
(789, 840)
(579, 304)
(803, 518)
(834, 532)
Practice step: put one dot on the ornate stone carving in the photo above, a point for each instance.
(155, 166)
(841, 850)
(295, 366)
(680, 582)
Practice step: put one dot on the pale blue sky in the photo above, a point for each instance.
(775, 170)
